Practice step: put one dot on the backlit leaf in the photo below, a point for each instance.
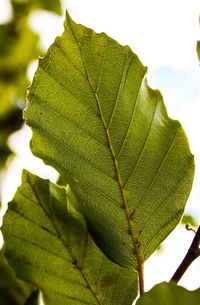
(95, 119)
(48, 244)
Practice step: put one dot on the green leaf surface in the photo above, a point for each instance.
(95, 120)
(170, 294)
(49, 245)
(12, 290)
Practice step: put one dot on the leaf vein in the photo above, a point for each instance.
(143, 147)
(157, 173)
(153, 215)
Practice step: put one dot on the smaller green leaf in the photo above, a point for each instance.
(170, 294)
(49, 245)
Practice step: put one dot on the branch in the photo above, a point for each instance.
(192, 254)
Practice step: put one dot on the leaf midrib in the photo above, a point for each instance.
(67, 248)
(131, 230)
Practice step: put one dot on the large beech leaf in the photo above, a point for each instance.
(95, 120)
(48, 244)
(170, 294)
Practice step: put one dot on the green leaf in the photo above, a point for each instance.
(95, 120)
(23, 7)
(12, 290)
(169, 294)
(49, 245)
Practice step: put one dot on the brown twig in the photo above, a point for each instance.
(192, 254)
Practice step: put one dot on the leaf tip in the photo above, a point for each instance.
(68, 20)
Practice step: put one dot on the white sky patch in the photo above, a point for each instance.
(162, 265)
(189, 116)
(48, 25)
(158, 31)
(5, 11)
(19, 143)
(31, 69)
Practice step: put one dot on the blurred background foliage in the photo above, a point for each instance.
(19, 46)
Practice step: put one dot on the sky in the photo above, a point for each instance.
(164, 35)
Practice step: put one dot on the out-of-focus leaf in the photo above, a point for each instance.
(47, 242)
(24, 7)
(95, 119)
(170, 294)
(12, 290)
(18, 46)
(5, 152)
(189, 219)
(9, 123)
